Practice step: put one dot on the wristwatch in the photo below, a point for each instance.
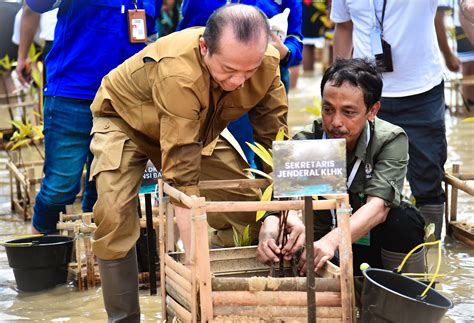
(286, 59)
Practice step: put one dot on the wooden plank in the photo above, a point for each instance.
(180, 311)
(232, 206)
(16, 173)
(273, 284)
(245, 298)
(278, 312)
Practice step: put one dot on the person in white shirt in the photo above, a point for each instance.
(401, 37)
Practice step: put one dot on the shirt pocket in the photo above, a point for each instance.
(107, 146)
(107, 15)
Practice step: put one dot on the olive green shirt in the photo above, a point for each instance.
(165, 99)
(384, 160)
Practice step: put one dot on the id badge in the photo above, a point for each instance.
(376, 42)
(136, 26)
(364, 240)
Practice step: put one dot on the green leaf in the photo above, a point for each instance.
(245, 241)
(280, 135)
(266, 196)
(259, 172)
(470, 119)
(236, 237)
(268, 157)
(260, 153)
(20, 143)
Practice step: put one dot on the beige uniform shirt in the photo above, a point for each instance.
(166, 101)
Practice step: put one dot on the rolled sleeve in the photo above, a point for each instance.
(340, 11)
(389, 170)
(179, 119)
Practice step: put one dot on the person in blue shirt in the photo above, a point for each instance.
(196, 13)
(91, 38)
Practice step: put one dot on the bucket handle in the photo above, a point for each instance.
(18, 244)
(438, 265)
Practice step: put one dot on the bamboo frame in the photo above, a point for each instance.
(461, 231)
(213, 297)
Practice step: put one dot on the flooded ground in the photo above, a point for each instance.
(66, 304)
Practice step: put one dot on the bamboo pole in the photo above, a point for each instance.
(170, 227)
(202, 262)
(446, 209)
(164, 262)
(180, 295)
(277, 312)
(31, 188)
(345, 255)
(454, 196)
(245, 298)
(459, 184)
(273, 284)
(233, 183)
(16, 172)
(181, 312)
(178, 267)
(179, 280)
(269, 206)
(178, 195)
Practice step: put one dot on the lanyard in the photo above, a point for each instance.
(375, 19)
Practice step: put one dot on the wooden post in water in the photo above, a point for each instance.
(311, 287)
(151, 244)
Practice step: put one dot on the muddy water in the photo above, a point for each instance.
(65, 304)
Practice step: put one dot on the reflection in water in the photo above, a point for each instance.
(65, 304)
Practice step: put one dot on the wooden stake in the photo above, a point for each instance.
(202, 260)
(310, 286)
(454, 196)
(345, 255)
(164, 262)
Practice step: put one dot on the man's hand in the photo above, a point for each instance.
(324, 250)
(269, 249)
(453, 63)
(278, 44)
(23, 71)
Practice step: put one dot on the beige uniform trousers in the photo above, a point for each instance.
(118, 167)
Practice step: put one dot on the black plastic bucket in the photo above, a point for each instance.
(391, 297)
(40, 265)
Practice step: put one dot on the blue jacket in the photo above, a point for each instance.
(196, 13)
(90, 39)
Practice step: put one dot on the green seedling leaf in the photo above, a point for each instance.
(259, 172)
(266, 196)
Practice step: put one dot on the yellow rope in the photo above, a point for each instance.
(435, 275)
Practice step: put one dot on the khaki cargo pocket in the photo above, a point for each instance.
(106, 145)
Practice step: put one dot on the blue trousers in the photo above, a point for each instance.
(67, 126)
(422, 118)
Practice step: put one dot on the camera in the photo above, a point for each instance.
(383, 61)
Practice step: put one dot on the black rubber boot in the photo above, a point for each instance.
(433, 213)
(119, 279)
